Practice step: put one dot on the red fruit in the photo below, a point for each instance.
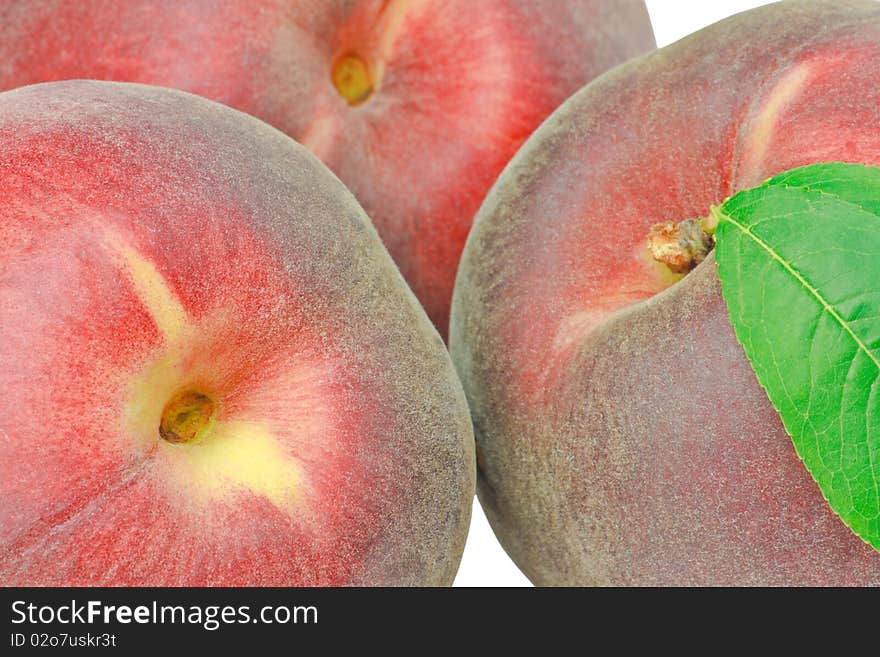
(211, 371)
(416, 105)
(622, 435)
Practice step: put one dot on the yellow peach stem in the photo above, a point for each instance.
(187, 417)
(352, 80)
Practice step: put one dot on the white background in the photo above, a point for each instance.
(485, 563)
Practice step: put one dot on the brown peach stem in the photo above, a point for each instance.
(187, 417)
(682, 246)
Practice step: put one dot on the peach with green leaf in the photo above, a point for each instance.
(623, 436)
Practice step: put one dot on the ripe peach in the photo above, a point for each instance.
(211, 371)
(622, 435)
(416, 105)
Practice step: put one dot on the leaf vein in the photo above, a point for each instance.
(827, 306)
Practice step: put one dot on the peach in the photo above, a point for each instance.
(416, 105)
(622, 435)
(212, 372)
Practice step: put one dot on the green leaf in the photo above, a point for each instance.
(799, 263)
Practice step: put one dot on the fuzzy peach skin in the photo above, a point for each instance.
(445, 91)
(622, 436)
(156, 246)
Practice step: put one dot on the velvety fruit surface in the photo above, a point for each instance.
(622, 436)
(211, 373)
(416, 105)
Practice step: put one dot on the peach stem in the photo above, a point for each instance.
(187, 417)
(682, 246)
